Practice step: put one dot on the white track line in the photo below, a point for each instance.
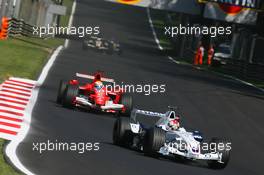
(153, 30)
(177, 62)
(12, 146)
(66, 44)
(173, 60)
(241, 81)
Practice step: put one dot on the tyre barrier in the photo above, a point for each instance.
(4, 28)
(15, 27)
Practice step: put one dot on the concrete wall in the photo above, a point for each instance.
(34, 12)
(183, 6)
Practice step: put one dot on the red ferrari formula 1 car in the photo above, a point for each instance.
(94, 95)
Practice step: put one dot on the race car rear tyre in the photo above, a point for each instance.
(154, 140)
(121, 132)
(127, 101)
(215, 144)
(61, 91)
(70, 94)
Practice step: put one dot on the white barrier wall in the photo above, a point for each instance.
(184, 6)
(230, 14)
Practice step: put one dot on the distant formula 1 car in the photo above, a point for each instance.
(162, 140)
(102, 45)
(94, 95)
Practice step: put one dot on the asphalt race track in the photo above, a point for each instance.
(215, 105)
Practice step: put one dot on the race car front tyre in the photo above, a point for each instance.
(127, 101)
(215, 145)
(70, 94)
(121, 131)
(154, 140)
(61, 91)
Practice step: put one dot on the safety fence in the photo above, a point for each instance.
(251, 67)
(15, 27)
(19, 27)
(244, 70)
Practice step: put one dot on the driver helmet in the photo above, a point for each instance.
(174, 124)
(98, 85)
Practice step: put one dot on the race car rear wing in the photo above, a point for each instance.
(91, 77)
(146, 113)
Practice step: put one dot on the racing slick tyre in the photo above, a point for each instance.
(215, 144)
(127, 101)
(121, 131)
(61, 91)
(70, 93)
(154, 140)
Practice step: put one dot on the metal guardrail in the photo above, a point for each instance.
(253, 71)
(19, 27)
(245, 70)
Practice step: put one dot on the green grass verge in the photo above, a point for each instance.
(25, 57)
(5, 169)
(65, 19)
(22, 57)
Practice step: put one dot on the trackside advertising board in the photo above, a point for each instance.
(183, 6)
(236, 11)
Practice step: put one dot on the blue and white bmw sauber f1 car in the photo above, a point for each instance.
(167, 138)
